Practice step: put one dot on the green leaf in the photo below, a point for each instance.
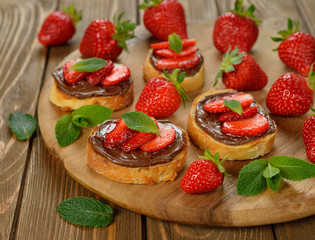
(234, 105)
(181, 77)
(274, 182)
(270, 171)
(85, 211)
(251, 180)
(140, 122)
(66, 132)
(89, 65)
(175, 43)
(91, 115)
(293, 168)
(22, 125)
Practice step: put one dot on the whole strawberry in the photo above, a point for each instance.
(309, 137)
(106, 40)
(291, 95)
(297, 49)
(161, 97)
(204, 175)
(236, 28)
(241, 72)
(164, 17)
(59, 27)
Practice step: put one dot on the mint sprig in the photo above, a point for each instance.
(257, 175)
(234, 105)
(85, 211)
(22, 125)
(89, 65)
(175, 42)
(67, 128)
(140, 122)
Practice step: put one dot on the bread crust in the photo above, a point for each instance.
(141, 175)
(69, 103)
(190, 83)
(251, 150)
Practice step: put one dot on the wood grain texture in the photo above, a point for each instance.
(222, 207)
(22, 63)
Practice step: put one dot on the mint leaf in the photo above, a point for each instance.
(66, 132)
(293, 168)
(91, 115)
(234, 105)
(140, 122)
(274, 182)
(85, 211)
(251, 180)
(89, 65)
(22, 125)
(175, 43)
(270, 171)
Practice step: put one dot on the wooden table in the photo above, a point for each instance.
(33, 183)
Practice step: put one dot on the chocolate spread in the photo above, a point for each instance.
(189, 71)
(209, 122)
(136, 158)
(83, 89)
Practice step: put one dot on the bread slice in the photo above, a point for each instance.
(250, 150)
(138, 175)
(190, 83)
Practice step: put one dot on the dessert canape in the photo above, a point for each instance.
(211, 124)
(130, 156)
(109, 86)
(188, 59)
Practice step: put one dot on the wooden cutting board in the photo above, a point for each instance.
(222, 207)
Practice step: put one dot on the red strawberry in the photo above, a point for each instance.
(309, 137)
(233, 116)
(297, 49)
(217, 106)
(183, 62)
(250, 127)
(138, 140)
(167, 136)
(168, 53)
(290, 94)
(120, 134)
(241, 72)
(72, 76)
(59, 27)
(118, 74)
(105, 40)
(204, 175)
(163, 18)
(161, 97)
(96, 77)
(166, 45)
(236, 28)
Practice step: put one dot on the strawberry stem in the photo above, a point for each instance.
(229, 60)
(216, 160)
(240, 11)
(123, 31)
(72, 13)
(149, 3)
(286, 33)
(311, 77)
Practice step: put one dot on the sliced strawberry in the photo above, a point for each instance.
(120, 134)
(71, 76)
(118, 74)
(217, 106)
(96, 77)
(165, 45)
(247, 127)
(138, 140)
(184, 62)
(168, 53)
(168, 135)
(233, 116)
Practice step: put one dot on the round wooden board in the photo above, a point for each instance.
(222, 207)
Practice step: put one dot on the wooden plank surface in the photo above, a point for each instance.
(13, 155)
